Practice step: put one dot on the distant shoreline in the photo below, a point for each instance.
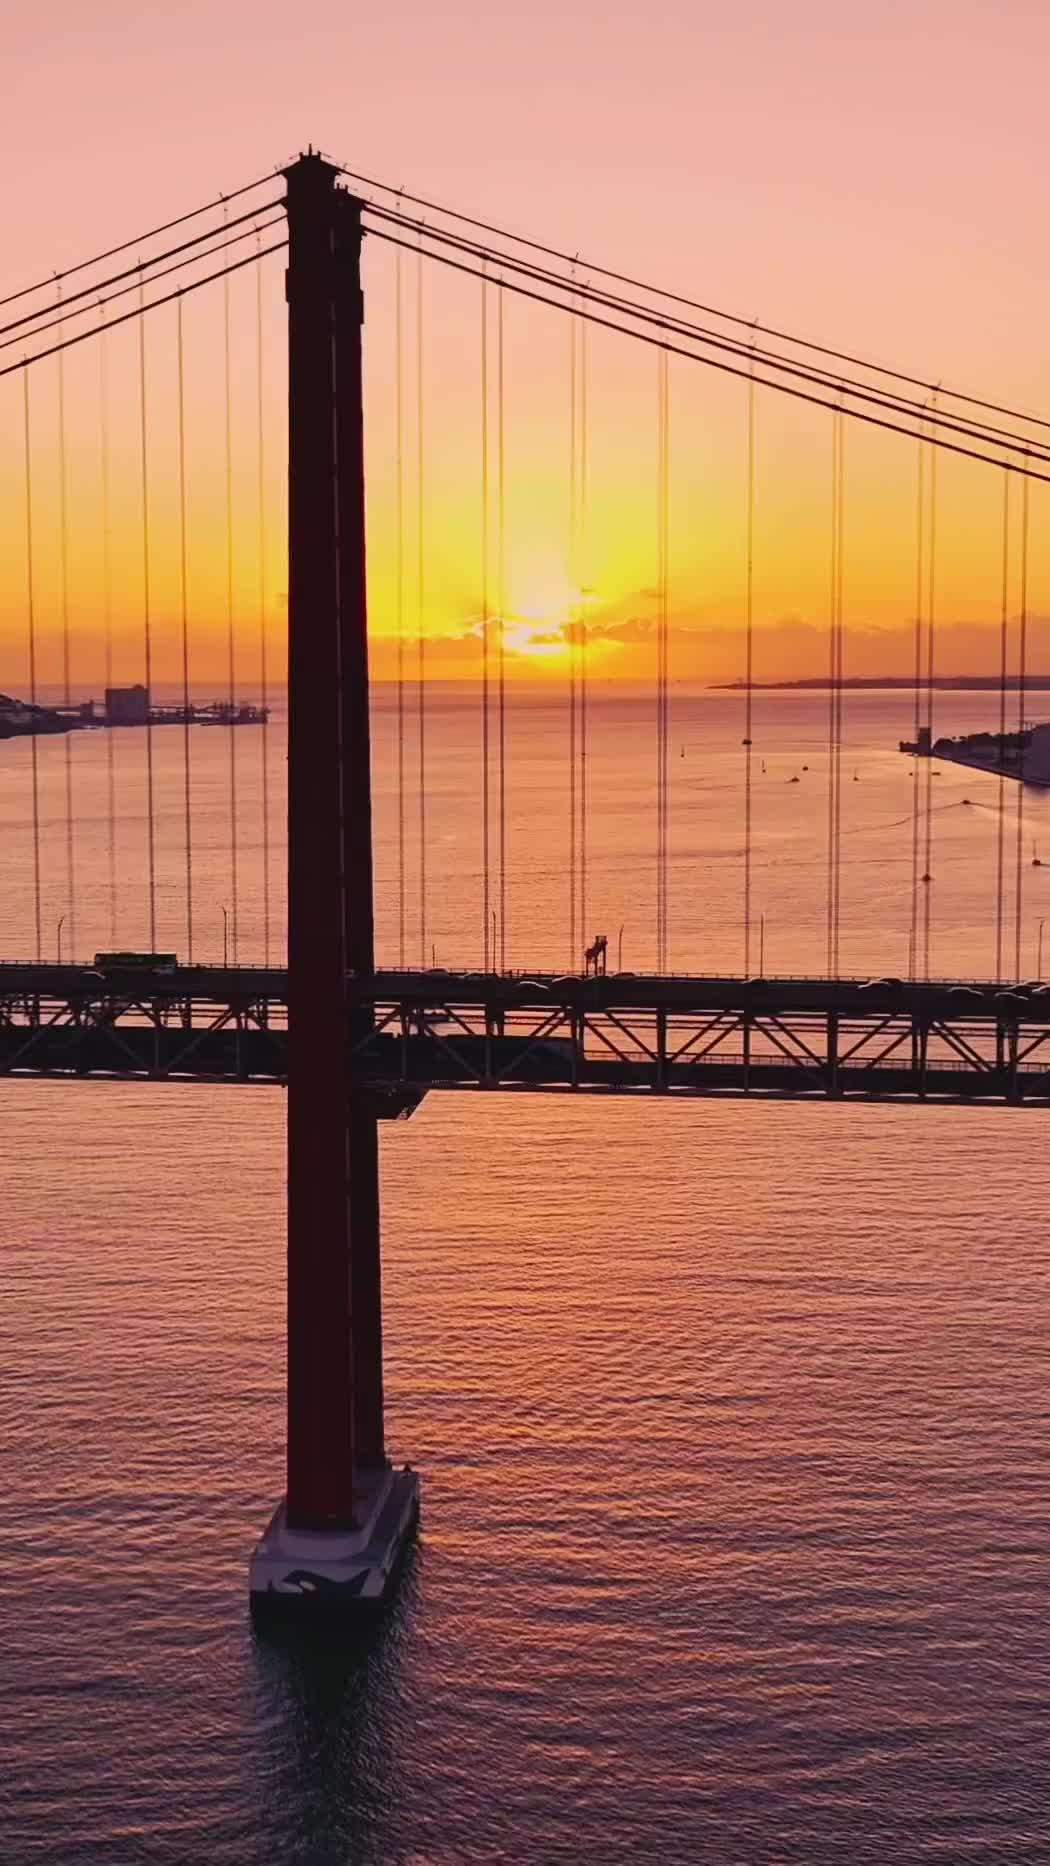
(949, 683)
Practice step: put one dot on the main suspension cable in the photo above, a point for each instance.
(127, 246)
(128, 317)
(796, 369)
(634, 284)
(937, 439)
(98, 296)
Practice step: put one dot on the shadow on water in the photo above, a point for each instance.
(332, 1695)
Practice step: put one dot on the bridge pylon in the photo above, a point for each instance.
(335, 1538)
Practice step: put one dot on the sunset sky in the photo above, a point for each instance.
(872, 177)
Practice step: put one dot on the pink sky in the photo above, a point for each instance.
(874, 173)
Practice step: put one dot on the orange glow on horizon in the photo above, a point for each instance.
(436, 564)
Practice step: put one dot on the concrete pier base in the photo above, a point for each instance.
(338, 1570)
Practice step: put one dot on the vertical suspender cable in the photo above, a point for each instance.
(573, 609)
(931, 624)
(502, 597)
(399, 402)
(420, 629)
(835, 677)
(749, 649)
(665, 620)
(264, 681)
(231, 665)
(832, 673)
(661, 662)
(1022, 675)
(67, 696)
(1000, 851)
(107, 617)
(749, 524)
(583, 574)
(147, 630)
(840, 559)
(486, 887)
(184, 620)
(920, 513)
(31, 644)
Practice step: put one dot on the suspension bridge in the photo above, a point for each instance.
(149, 496)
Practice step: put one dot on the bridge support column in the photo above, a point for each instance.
(834, 1085)
(358, 903)
(335, 1539)
(661, 1047)
(1013, 1077)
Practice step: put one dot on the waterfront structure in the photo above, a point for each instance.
(1023, 755)
(20, 719)
(127, 706)
(123, 706)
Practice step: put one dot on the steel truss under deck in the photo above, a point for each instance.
(776, 1038)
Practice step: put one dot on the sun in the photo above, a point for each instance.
(537, 623)
(535, 644)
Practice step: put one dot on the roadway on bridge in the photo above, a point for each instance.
(416, 1031)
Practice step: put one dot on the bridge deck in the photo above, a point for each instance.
(423, 1030)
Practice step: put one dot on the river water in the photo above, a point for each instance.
(732, 1419)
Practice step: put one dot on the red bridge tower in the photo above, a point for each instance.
(346, 1515)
